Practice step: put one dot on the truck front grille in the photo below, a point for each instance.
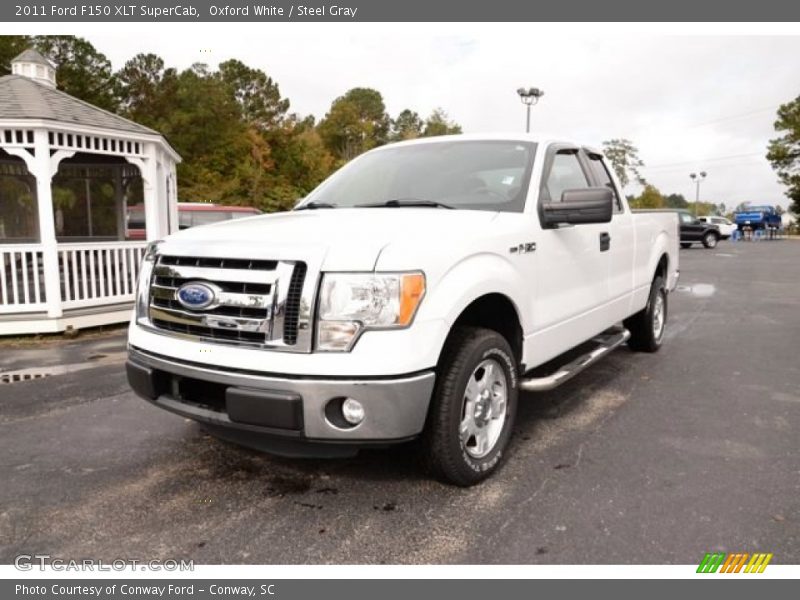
(254, 302)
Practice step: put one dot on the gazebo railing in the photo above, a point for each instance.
(21, 279)
(94, 274)
(90, 274)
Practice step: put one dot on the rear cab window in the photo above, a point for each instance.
(602, 177)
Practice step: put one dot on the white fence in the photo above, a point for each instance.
(91, 274)
(21, 279)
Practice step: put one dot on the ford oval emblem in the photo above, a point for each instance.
(196, 296)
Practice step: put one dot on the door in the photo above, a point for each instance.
(570, 268)
(691, 229)
(621, 241)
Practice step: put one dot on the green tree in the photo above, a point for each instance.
(784, 152)
(222, 159)
(649, 198)
(407, 126)
(231, 128)
(83, 71)
(355, 123)
(676, 201)
(256, 93)
(147, 90)
(438, 123)
(301, 162)
(624, 158)
(10, 47)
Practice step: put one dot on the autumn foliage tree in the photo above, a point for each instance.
(649, 198)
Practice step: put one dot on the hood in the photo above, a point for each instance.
(341, 239)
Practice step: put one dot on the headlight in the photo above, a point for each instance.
(143, 283)
(351, 303)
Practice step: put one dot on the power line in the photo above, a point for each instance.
(703, 160)
(722, 166)
(736, 116)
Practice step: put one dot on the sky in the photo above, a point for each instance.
(690, 103)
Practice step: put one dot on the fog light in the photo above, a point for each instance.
(352, 411)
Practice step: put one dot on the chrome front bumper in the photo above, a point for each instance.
(395, 408)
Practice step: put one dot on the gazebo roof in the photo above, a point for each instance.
(24, 98)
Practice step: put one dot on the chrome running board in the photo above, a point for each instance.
(606, 341)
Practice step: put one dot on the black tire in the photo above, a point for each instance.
(443, 451)
(710, 240)
(644, 334)
(685, 245)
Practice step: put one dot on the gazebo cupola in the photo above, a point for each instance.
(82, 190)
(32, 64)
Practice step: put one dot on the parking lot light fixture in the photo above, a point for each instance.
(529, 97)
(697, 178)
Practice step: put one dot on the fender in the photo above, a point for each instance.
(642, 279)
(475, 276)
(660, 247)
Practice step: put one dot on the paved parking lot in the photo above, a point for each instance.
(643, 459)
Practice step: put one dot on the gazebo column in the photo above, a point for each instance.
(172, 199)
(155, 226)
(43, 172)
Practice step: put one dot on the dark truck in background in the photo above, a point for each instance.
(692, 230)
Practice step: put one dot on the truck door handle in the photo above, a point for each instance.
(605, 241)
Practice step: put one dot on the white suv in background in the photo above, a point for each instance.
(726, 228)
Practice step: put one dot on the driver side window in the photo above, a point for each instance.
(566, 173)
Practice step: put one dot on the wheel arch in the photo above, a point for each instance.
(662, 267)
(495, 311)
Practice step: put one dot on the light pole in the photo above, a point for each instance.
(529, 97)
(697, 179)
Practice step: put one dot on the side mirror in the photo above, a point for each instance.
(582, 205)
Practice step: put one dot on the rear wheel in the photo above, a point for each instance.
(473, 407)
(686, 245)
(648, 325)
(710, 240)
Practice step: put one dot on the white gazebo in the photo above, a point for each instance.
(73, 179)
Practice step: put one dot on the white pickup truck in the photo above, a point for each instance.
(413, 294)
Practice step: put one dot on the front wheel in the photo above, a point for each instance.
(710, 240)
(648, 325)
(473, 407)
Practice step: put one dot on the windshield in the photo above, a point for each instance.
(474, 175)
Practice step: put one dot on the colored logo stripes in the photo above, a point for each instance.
(734, 563)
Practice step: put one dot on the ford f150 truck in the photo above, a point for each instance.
(413, 294)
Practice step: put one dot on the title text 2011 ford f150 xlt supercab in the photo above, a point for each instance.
(411, 295)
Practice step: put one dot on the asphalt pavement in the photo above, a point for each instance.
(642, 459)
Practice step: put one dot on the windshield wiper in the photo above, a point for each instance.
(403, 202)
(312, 205)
